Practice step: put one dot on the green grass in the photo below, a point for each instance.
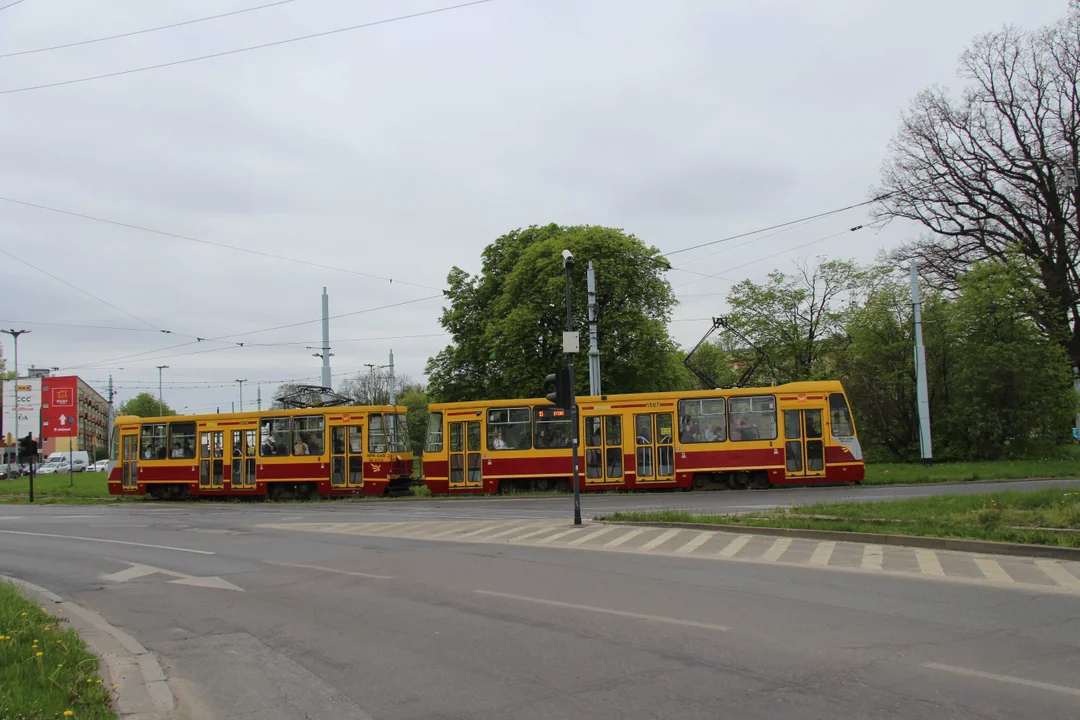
(45, 668)
(1041, 517)
(88, 487)
(1066, 465)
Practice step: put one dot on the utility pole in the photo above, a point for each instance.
(922, 395)
(241, 394)
(393, 391)
(161, 397)
(258, 395)
(15, 336)
(570, 346)
(594, 350)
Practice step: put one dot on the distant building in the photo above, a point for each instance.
(72, 416)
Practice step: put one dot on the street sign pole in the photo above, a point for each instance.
(568, 262)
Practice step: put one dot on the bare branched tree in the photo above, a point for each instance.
(373, 388)
(985, 174)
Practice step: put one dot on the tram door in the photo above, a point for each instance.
(130, 460)
(211, 460)
(347, 456)
(654, 433)
(465, 461)
(804, 446)
(603, 450)
(244, 445)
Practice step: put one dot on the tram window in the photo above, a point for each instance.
(551, 433)
(752, 418)
(434, 438)
(153, 442)
(841, 416)
(457, 439)
(356, 440)
(397, 431)
(114, 445)
(275, 436)
(376, 434)
(643, 426)
(182, 440)
(509, 429)
(702, 421)
(308, 435)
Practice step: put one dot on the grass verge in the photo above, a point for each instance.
(1067, 465)
(1042, 517)
(46, 671)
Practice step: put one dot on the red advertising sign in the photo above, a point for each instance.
(59, 407)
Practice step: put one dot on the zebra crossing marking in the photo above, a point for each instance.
(872, 558)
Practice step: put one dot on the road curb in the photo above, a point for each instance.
(140, 689)
(931, 543)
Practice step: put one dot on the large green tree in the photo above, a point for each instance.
(794, 322)
(507, 322)
(145, 405)
(1009, 386)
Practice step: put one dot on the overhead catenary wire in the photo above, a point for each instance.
(225, 246)
(11, 4)
(144, 31)
(140, 357)
(84, 292)
(250, 48)
(816, 216)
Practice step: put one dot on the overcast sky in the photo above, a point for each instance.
(403, 149)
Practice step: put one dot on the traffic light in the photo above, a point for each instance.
(560, 381)
(27, 448)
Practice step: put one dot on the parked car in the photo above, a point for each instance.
(100, 466)
(54, 468)
(10, 471)
(78, 465)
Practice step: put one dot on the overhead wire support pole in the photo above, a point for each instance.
(161, 397)
(15, 336)
(241, 382)
(922, 396)
(594, 349)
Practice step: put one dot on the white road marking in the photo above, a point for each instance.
(531, 533)
(556, 536)
(606, 611)
(697, 541)
(594, 534)
(624, 538)
(134, 572)
(734, 546)
(776, 550)
(1003, 678)
(486, 528)
(658, 540)
(103, 540)
(928, 562)
(454, 527)
(992, 570)
(137, 571)
(207, 582)
(822, 554)
(331, 570)
(1058, 574)
(873, 556)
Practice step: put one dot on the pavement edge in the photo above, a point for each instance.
(986, 547)
(141, 690)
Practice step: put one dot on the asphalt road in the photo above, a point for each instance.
(253, 621)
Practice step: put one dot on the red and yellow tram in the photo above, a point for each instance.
(799, 433)
(296, 453)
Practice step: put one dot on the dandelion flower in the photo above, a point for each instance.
(68, 713)
(44, 610)
(38, 654)
(22, 614)
(60, 665)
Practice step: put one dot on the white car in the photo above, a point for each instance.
(54, 468)
(99, 466)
